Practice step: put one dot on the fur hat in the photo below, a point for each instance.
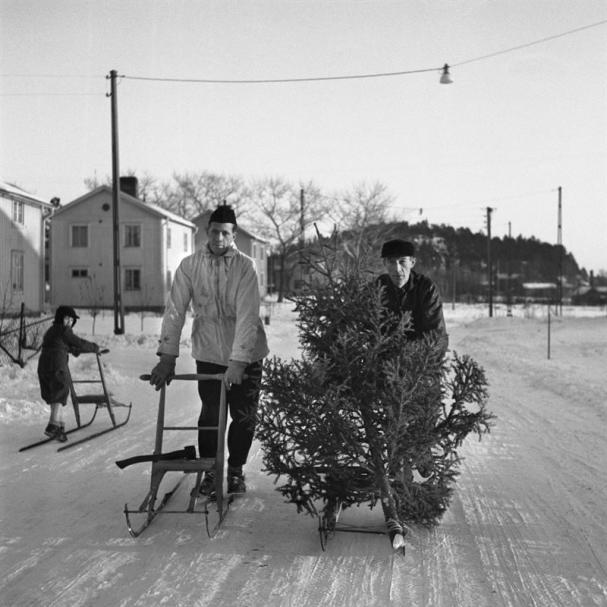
(398, 248)
(65, 312)
(223, 214)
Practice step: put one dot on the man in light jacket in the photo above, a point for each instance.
(227, 337)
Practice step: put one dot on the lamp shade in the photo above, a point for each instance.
(446, 76)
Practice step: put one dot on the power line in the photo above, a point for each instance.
(528, 44)
(279, 80)
(51, 94)
(320, 78)
(361, 76)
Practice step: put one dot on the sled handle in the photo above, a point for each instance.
(189, 376)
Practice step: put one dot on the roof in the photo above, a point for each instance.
(14, 190)
(153, 209)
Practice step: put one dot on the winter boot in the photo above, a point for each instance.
(56, 432)
(236, 482)
(207, 486)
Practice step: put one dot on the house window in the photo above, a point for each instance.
(253, 250)
(80, 236)
(185, 242)
(18, 211)
(17, 270)
(132, 279)
(168, 238)
(132, 235)
(80, 273)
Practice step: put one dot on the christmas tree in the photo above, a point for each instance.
(367, 414)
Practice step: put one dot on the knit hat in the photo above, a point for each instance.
(398, 248)
(64, 312)
(223, 214)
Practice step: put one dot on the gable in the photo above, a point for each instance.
(130, 208)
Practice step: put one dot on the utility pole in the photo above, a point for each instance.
(118, 308)
(489, 269)
(559, 241)
(302, 228)
(453, 278)
(509, 293)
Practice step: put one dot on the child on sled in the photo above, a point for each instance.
(53, 373)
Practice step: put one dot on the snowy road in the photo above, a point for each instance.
(527, 525)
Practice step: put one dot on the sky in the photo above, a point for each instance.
(520, 119)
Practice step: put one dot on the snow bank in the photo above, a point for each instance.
(20, 397)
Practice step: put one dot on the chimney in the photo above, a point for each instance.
(128, 185)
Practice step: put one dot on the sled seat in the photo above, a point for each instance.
(92, 398)
(203, 464)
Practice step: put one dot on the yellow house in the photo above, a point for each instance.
(22, 218)
(152, 243)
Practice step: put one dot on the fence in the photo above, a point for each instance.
(16, 340)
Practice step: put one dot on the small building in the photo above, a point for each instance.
(152, 240)
(540, 291)
(22, 219)
(251, 245)
(589, 296)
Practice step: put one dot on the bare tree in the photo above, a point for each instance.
(148, 187)
(189, 194)
(281, 212)
(361, 206)
(94, 295)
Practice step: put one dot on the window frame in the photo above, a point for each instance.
(132, 232)
(19, 211)
(73, 226)
(17, 270)
(135, 286)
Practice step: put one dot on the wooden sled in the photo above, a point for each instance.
(149, 508)
(103, 400)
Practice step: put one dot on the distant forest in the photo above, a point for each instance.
(456, 259)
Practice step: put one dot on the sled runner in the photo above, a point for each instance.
(103, 400)
(184, 461)
(329, 523)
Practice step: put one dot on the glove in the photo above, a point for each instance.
(163, 372)
(234, 373)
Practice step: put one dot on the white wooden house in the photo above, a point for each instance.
(22, 217)
(152, 243)
(247, 242)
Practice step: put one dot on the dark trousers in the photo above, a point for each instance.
(242, 402)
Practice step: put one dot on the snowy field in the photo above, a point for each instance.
(527, 525)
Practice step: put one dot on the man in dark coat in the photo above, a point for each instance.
(53, 372)
(404, 290)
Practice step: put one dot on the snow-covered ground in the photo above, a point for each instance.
(527, 525)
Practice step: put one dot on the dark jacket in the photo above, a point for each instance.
(53, 372)
(420, 297)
